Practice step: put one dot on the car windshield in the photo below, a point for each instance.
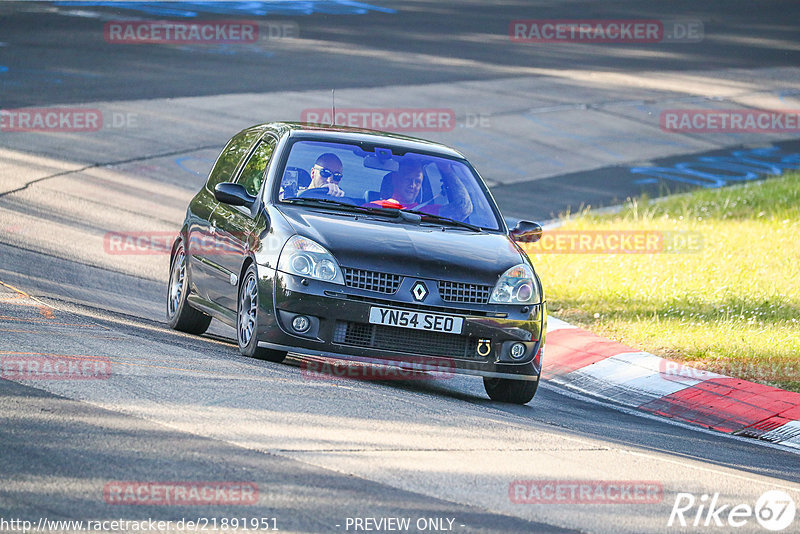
(380, 177)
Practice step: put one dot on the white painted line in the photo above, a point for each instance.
(657, 386)
(614, 370)
(645, 360)
(554, 324)
(620, 381)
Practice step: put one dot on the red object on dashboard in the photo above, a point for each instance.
(388, 203)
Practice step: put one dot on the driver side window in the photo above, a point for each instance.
(254, 171)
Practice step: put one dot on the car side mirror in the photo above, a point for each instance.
(526, 232)
(233, 194)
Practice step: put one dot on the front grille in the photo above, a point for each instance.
(464, 293)
(406, 340)
(372, 280)
(359, 334)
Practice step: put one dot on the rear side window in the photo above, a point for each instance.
(231, 155)
(253, 172)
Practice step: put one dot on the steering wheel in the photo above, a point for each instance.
(315, 192)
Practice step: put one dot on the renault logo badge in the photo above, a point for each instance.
(419, 291)
(484, 347)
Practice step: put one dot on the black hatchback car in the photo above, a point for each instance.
(360, 245)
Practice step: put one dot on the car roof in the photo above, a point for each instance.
(359, 135)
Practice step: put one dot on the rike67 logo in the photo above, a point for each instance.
(774, 510)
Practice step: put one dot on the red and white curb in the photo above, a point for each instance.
(579, 360)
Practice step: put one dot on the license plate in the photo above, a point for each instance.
(418, 320)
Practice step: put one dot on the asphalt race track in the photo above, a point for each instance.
(549, 126)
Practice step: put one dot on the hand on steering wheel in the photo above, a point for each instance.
(328, 190)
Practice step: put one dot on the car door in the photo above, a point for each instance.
(201, 246)
(236, 225)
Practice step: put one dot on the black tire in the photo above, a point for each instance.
(512, 391)
(247, 320)
(181, 316)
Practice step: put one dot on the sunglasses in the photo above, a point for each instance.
(328, 174)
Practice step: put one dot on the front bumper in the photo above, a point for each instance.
(340, 328)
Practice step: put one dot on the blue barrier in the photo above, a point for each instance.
(717, 171)
(262, 8)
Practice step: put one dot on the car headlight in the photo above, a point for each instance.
(516, 286)
(304, 257)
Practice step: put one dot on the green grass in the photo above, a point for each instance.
(732, 306)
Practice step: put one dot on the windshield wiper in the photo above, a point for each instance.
(331, 203)
(445, 220)
(388, 212)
